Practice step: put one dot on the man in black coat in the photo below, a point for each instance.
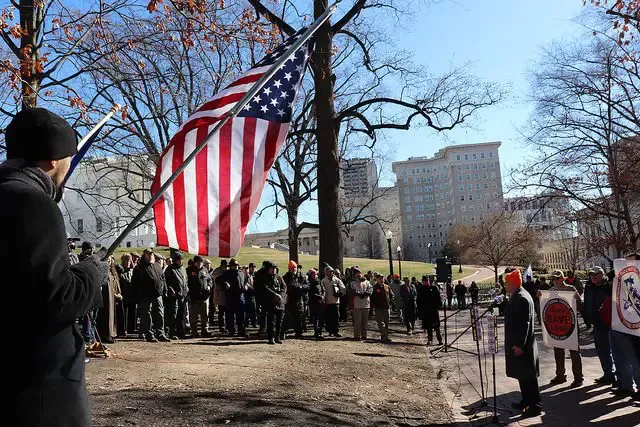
(234, 286)
(176, 278)
(297, 288)
(275, 298)
(521, 348)
(45, 376)
(148, 279)
(430, 304)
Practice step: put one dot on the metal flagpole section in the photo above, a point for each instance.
(232, 113)
(87, 137)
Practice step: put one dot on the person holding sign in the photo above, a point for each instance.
(521, 348)
(559, 285)
(596, 295)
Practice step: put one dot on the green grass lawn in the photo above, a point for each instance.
(247, 255)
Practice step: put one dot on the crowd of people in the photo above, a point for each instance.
(164, 300)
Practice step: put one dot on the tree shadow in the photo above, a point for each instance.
(591, 404)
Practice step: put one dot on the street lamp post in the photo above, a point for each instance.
(459, 257)
(399, 250)
(389, 237)
(429, 245)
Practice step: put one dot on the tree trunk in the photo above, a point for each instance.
(329, 203)
(292, 216)
(30, 19)
(495, 273)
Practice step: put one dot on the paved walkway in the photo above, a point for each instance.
(480, 274)
(562, 406)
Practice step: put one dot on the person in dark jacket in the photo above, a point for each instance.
(233, 283)
(461, 294)
(409, 297)
(381, 303)
(596, 292)
(316, 303)
(148, 279)
(521, 348)
(87, 250)
(449, 295)
(259, 281)
(275, 299)
(297, 288)
(44, 377)
(250, 296)
(129, 297)
(200, 286)
(177, 291)
(431, 303)
(474, 290)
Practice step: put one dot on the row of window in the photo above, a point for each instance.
(474, 156)
(476, 166)
(415, 171)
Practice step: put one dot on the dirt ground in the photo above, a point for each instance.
(246, 381)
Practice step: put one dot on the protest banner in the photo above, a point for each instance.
(559, 319)
(625, 301)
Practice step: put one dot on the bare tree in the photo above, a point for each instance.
(438, 103)
(584, 135)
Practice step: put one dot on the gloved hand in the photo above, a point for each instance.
(102, 267)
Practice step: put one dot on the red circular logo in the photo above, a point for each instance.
(628, 297)
(559, 319)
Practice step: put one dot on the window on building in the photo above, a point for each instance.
(459, 177)
(467, 166)
(80, 227)
(407, 208)
(470, 196)
(493, 174)
(475, 166)
(490, 155)
(477, 186)
(98, 225)
(462, 198)
(474, 156)
(477, 176)
(466, 157)
(469, 187)
(352, 238)
(409, 218)
(482, 155)
(492, 165)
(459, 167)
(494, 185)
(458, 157)
(484, 166)
(407, 190)
(461, 187)
(486, 186)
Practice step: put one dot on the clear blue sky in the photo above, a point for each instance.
(501, 39)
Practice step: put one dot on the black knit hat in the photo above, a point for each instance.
(37, 134)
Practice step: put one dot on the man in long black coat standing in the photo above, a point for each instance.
(521, 348)
(44, 376)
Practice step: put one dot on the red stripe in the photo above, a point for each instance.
(179, 204)
(158, 210)
(221, 102)
(271, 146)
(248, 79)
(202, 192)
(224, 191)
(249, 137)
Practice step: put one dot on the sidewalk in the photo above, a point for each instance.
(562, 406)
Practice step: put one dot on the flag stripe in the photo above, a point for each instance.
(191, 194)
(179, 213)
(202, 195)
(213, 163)
(237, 148)
(168, 204)
(247, 169)
(224, 194)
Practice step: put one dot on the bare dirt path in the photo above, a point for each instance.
(245, 381)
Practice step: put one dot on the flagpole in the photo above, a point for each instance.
(96, 128)
(231, 114)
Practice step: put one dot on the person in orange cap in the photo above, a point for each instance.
(521, 348)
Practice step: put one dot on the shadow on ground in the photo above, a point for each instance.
(172, 408)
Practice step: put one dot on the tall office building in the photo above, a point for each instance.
(359, 177)
(460, 184)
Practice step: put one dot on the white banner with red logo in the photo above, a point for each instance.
(559, 319)
(625, 301)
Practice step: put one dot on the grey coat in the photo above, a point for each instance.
(519, 332)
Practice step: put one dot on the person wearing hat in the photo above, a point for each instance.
(559, 285)
(409, 297)
(218, 297)
(597, 297)
(381, 302)
(521, 348)
(297, 288)
(233, 283)
(316, 303)
(251, 317)
(148, 279)
(334, 290)
(430, 302)
(200, 284)
(360, 290)
(177, 290)
(274, 292)
(87, 249)
(71, 247)
(45, 376)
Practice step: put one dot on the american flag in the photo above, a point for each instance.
(207, 208)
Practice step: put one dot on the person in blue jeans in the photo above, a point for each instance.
(594, 297)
